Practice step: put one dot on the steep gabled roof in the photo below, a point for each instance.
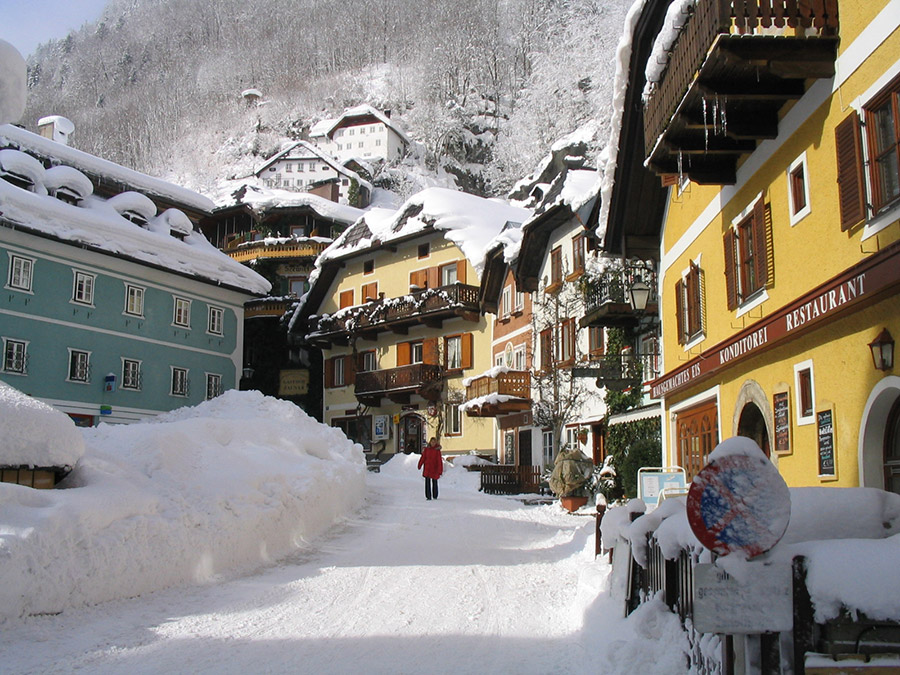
(312, 150)
(329, 126)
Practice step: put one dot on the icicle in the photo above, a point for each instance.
(680, 167)
(705, 128)
(724, 116)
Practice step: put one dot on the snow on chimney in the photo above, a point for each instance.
(56, 128)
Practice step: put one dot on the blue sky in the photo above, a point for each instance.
(27, 23)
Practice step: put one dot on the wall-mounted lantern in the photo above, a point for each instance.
(883, 351)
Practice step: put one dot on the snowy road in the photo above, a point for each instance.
(466, 584)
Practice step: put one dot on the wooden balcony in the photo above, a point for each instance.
(515, 383)
(267, 307)
(398, 384)
(276, 248)
(429, 307)
(733, 67)
(627, 370)
(607, 297)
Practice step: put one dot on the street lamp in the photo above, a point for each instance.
(248, 372)
(883, 350)
(639, 294)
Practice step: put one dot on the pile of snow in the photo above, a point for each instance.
(12, 83)
(195, 495)
(34, 434)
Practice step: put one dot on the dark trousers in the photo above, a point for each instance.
(431, 490)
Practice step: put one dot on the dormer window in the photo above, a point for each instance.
(67, 184)
(21, 169)
(135, 218)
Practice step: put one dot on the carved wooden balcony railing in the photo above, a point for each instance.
(734, 65)
(607, 297)
(514, 383)
(622, 371)
(429, 307)
(290, 248)
(398, 384)
(267, 307)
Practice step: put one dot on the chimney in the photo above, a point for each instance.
(387, 113)
(56, 128)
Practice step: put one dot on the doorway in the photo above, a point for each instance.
(412, 431)
(525, 447)
(892, 450)
(752, 425)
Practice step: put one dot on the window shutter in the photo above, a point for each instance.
(730, 271)
(418, 278)
(761, 242)
(403, 354)
(850, 178)
(430, 351)
(461, 271)
(370, 291)
(679, 310)
(329, 373)
(467, 355)
(433, 279)
(346, 298)
(349, 369)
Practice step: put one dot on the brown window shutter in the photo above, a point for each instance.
(418, 278)
(467, 355)
(761, 236)
(850, 178)
(430, 351)
(346, 298)
(403, 354)
(329, 373)
(370, 291)
(349, 369)
(679, 310)
(461, 271)
(433, 277)
(730, 271)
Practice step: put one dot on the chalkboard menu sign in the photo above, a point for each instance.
(781, 404)
(825, 428)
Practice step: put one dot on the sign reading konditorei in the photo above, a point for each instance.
(855, 286)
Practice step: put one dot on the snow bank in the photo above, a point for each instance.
(34, 434)
(194, 495)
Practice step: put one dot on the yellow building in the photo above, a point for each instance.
(395, 310)
(779, 256)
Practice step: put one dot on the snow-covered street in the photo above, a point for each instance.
(469, 583)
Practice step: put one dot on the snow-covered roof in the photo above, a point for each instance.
(97, 223)
(35, 434)
(11, 136)
(313, 151)
(263, 199)
(468, 221)
(676, 18)
(328, 126)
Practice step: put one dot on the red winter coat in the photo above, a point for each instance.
(433, 461)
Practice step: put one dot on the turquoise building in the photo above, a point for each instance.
(113, 307)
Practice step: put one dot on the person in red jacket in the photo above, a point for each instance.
(433, 462)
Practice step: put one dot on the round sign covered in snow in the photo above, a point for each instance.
(739, 501)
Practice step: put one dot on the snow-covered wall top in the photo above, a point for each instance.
(468, 221)
(12, 136)
(97, 223)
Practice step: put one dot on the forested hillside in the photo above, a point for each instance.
(486, 86)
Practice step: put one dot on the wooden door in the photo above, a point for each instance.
(697, 431)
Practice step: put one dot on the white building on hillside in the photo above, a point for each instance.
(361, 132)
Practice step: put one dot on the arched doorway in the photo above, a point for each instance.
(412, 432)
(752, 425)
(892, 450)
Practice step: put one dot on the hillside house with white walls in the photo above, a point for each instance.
(361, 132)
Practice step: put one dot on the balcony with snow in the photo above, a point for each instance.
(246, 247)
(720, 72)
(620, 294)
(399, 384)
(429, 307)
(498, 391)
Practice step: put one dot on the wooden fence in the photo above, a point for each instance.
(510, 480)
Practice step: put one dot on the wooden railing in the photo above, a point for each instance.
(382, 312)
(714, 17)
(510, 480)
(260, 249)
(512, 383)
(266, 308)
(402, 378)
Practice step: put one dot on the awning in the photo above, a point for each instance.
(645, 413)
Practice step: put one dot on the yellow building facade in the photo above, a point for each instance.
(779, 273)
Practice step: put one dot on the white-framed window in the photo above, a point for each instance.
(339, 374)
(213, 385)
(377, 141)
(216, 320)
(369, 361)
(83, 288)
(417, 354)
(134, 300)
(452, 420)
(180, 382)
(131, 374)
(798, 189)
(448, 274)
(288, 167)
(519, 357)
(79, 366)
(454, 352)
(520, 300)
(500, 359)
(547, 446)
(351, 131)
(182, 315)
(15, 356)
(805, 386)
(21, 271)
(506, 302)
(572, 438)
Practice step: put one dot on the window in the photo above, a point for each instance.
(15, 356)
(749, 258)
(350, 132)
(452, 420)
(883, 132)
(449, 274)
(368, 266)
(519, 358)
(131, 374)
(566, 342)
(180, 383)
(288, 169)
(134, 300)
(20, 273)
(424, 250)
(79, 366)
(182, 313)
(298, 286)
(520, 301)
(506, 302)
(216, 321)
(368, 361)
(578, 248)
(378, 142)
(83, 291)
(547, 446)
(359, 145)
(806, 399)
(798, 189)
(339, 371)
(416, 352)
(596, 342)
(453, 352)
(213, 385)
(546, 344)
(555, 269)
(689, 294)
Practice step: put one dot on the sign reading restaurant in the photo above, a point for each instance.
(858, 285)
